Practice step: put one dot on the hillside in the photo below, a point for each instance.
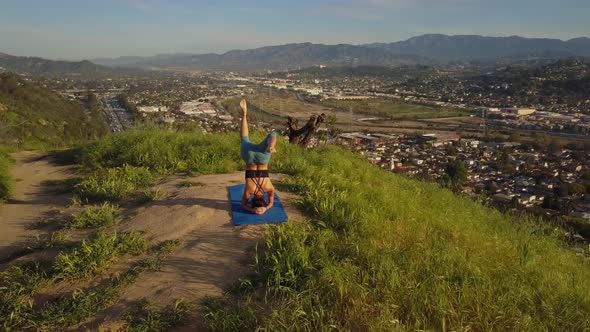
(376, 251)
(84, 70)
(34, 117)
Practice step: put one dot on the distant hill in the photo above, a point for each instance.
(49, 68)
(130, 61)
(472, 47)
(290, 56)
(425, 50)
(34, 117)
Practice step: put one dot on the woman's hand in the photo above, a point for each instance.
(260, 210)
(244, 106)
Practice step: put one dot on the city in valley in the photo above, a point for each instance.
(517, 150)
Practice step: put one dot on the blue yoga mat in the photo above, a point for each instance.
(276, 214)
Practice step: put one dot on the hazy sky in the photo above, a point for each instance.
(77, 29)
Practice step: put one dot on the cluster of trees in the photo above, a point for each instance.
(34, 117)
(455, 176)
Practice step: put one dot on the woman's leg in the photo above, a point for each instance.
(271, 142)
(244, 107)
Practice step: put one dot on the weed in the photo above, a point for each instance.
(19, 283)
(148, 318)
(95, 216)
(149, 195)
(77, 201)
(95, 254)
(189, 184)
(39, 224)
(167, 247)
(113, 184)
(61, 186)
(81, 305)
(224, 316)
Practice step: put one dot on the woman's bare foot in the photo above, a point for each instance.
(244, 106)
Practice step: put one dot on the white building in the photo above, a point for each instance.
(152, 109)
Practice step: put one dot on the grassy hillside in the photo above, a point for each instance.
(379, 252)
(5, 178)
(34, 117)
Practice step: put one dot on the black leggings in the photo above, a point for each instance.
(254, 174)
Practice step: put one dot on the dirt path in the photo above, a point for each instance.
(213, 256)
(214, 253)
(31, 200)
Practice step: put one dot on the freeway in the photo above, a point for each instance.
(117, 117)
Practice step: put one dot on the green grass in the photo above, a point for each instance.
(6, 181)
(393, 108)
(149, 195)
(383, 252)
(20, 282)
(81, 305)
(165, 152)
(123, 166)
(230, 316)
(95, 216)
(94, 255)
(380, 251)
(17, 286)
(114, 184)
(147, 318)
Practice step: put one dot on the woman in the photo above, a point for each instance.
(257, 157)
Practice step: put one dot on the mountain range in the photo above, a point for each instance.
(428, 49)
(432, 49)
(443, 48)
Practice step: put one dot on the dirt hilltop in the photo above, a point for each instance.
(213, 255)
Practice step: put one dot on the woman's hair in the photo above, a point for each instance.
(258, 202)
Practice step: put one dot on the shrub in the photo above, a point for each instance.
(6, 181)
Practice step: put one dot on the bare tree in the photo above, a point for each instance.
(303, 135)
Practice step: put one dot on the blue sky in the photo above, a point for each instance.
(80, 29)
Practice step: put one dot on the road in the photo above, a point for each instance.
(117, 117)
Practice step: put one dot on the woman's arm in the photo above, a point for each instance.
(271, 199)
(245, 198)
